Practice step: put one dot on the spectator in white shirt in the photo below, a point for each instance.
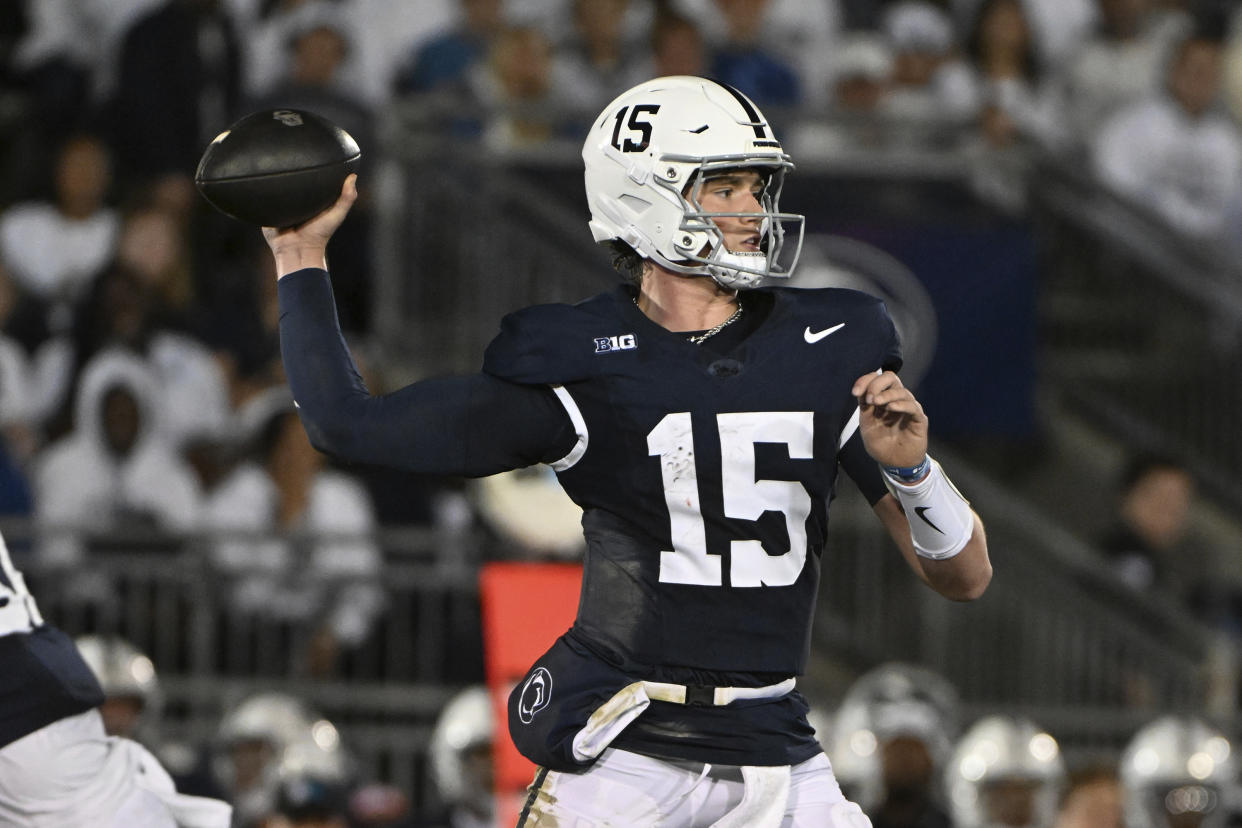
(313, 564)
(1177, 152)
(860, 79)
(114, 471)
(1017, 105)
(932, 85)
(1121, 63)
(55, 248)
(593, 64)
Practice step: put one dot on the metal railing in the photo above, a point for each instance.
(169, 601)
(470, 240)
(1053, 635)
(1141, 325)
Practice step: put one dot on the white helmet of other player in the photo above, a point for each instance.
(461, 749)
(1175, 772)
(891, 701)
(316, 753)
(646, 159)
(1005, 771)
(128, 678)
(250, 742)
(278, 718)
(252, 738)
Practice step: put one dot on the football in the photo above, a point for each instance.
(277, 168)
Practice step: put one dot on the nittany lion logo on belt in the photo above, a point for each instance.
(536, 693)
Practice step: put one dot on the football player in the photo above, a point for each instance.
(132, 697)
(1005, 772)
(891, 739)
(1178, 772)
(698, 415)
(58, 766)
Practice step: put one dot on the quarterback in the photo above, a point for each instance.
(698, 414)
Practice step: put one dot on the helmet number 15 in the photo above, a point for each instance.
(636, 126)
(745, 498)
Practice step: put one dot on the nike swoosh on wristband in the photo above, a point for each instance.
(816, 336)
(919, 510)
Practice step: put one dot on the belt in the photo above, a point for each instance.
(706, 696)
(615, 715)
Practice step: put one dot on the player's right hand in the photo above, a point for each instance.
(306, 244)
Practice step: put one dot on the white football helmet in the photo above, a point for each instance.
(250, 745)
(316, 753)
(124, 671)
(890, 701)
(467, 723)
(1176, 772)
(646, 158)
(278, 718)
(1005, 771)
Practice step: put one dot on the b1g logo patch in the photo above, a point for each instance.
(623, 342)
(536, 693)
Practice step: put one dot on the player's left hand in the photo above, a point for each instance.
(892, 422)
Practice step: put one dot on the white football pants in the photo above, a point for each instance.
(628, 790)
(70, 774)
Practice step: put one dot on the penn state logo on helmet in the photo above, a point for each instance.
(646, 158)
(536, 693)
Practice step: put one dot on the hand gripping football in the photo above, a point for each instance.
(277, 168)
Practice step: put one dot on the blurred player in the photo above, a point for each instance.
(461, 759)
(699, 422)
(891, 739)
(1177, 772)
(1005, 773)
(58, 767)
(313, 782)
(252, 751)
(132, 698)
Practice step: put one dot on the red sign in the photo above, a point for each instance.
(526, 607)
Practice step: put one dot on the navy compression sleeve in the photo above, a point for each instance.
(470, 425)
(862, 468)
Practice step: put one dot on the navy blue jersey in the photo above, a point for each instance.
(704, 477)
(43, 676)
(704, 472)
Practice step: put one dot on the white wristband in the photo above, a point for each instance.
(940, 518)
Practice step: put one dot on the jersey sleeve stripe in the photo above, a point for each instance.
(580, 428)
(850, 427)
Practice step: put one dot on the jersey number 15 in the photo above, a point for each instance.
(745, 498)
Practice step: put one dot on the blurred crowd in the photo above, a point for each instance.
(140, 380)
(141, 391)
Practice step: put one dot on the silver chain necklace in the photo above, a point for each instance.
(699, 339)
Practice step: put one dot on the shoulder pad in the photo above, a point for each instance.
(550, 344)
(819, 306)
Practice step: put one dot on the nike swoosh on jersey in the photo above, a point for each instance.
(816, 336)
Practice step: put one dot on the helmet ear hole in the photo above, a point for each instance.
(634, 203)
